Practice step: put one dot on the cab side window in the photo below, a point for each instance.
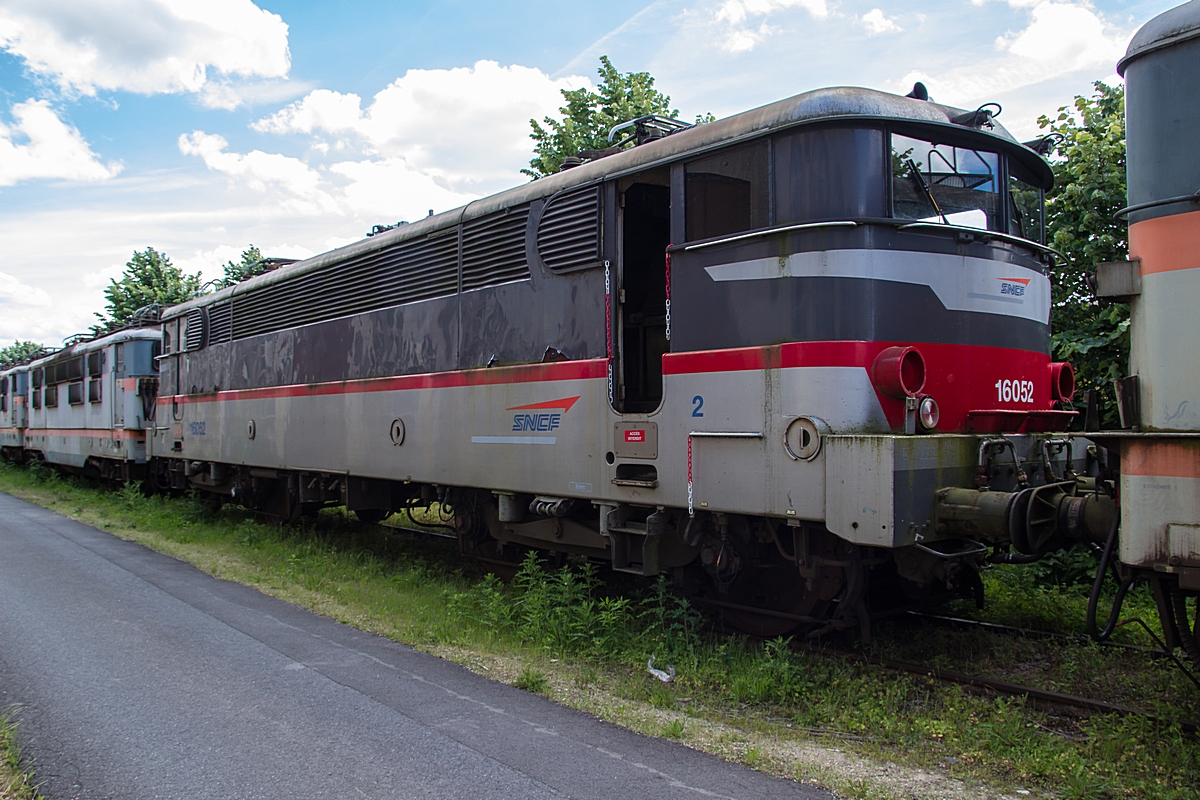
(728, 192)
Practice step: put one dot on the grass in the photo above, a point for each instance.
(16, 782)
(792, 710)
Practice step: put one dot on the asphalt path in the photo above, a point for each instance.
(138, 676)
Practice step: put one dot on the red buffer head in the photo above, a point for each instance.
(1062, 381)
(899, 372)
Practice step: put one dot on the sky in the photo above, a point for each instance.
(199, 128)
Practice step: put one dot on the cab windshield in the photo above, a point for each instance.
(942, 183)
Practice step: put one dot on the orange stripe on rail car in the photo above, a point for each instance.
(1162, 459)
(93, 433)
(1166, 244)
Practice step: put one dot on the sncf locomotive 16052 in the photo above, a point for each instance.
(756, 351)
(798, 357)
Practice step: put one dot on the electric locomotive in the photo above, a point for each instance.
(792, 356)
(85, 408)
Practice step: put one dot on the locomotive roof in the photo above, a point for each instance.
(128, 335)
(837, 103)
(1168, 28)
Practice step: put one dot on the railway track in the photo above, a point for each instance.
(1042, 698)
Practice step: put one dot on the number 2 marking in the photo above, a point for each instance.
(698, 402)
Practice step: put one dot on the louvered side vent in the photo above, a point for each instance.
(494, 249)
(568, 235)
(418, 269)
(220, 323)
(195, 330)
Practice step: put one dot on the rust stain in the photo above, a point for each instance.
(1161, 459)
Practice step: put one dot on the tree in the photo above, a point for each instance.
(1089, 188)
(238, 271)
(18, 352)
(149, 279)
(588, 116)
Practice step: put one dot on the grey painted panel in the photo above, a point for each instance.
(1163, 117)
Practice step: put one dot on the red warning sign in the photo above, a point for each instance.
(635, 436)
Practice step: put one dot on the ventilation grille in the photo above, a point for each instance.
(568, 234)
(195, 330)
(414, 270)
(494, 249)
(220, 323)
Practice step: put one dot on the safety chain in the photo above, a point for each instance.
(669, 291)
(691, 511)
(608, 330)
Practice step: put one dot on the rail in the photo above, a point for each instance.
(1166, 201)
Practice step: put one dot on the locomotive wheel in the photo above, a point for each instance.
(777, 586)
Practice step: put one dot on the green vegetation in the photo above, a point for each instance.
(249, 265)
(588, 117)
(779, 706)
(16, 783)
(1089, 188)
(19, 351)
(149, 278)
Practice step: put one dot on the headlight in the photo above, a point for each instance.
(928, 413)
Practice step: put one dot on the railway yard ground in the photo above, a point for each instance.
(16, 781)
(832, 713)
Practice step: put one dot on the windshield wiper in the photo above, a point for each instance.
(916, 173)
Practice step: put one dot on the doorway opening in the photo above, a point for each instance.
(646, 232)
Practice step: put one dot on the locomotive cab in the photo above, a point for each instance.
(829, 243)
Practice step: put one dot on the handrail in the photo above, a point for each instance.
(1166, 201)
(726, 434)
(986, 234)
(900, 225)
(767, 232)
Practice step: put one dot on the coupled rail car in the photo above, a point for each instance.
(799, 357)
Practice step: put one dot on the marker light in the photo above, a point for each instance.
(928, 413)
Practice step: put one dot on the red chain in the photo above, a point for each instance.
(669, 291)
(690, 511)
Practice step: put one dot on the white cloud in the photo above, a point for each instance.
(876, 22)
(741, 37)
(295, 183)
(24, 310)
(466, 128)
(40, 145)
(1060, 38)
(1068, 35)
(147, 46)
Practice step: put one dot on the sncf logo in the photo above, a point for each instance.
(1014, 286)
(542, 416)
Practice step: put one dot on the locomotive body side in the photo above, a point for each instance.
(14, 387)
(88, 404)
(857, 298)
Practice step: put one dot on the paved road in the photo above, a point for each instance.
(141, 677)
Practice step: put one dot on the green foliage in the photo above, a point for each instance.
(15, 783)
(19, 352)
(1074, 566)
(588, 116)
(251, 264)
(411, 588)
(1089, 174)
(532, 681)
(675, 729)
(150, 278)
(568, 612)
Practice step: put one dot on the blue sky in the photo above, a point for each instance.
(201, 127)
